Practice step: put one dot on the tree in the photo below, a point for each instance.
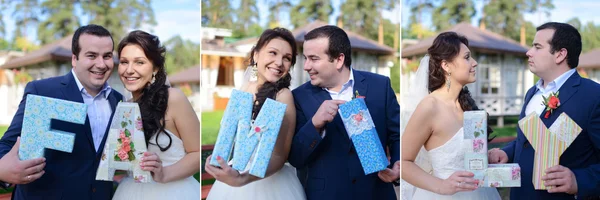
(119, 16)
(512, 24)
(4, 44)
(277, 7)
(216, 14)
(181, 54)
(247, 14)
(452, 12)
(60, 22)
(360, 17)
(575, 22)
(590, 37)
(23, 44)
(395, 76)
(307, 11)
(25, 15)
(415, 23)
(3, 6)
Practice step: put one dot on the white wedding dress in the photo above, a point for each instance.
(284, 184)
(187, 188)
(447, 159)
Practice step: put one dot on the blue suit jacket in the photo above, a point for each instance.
(580, 99)
(68, 175)
(328, 167)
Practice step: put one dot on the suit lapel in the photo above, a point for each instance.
(527, 99)
(72, 93)
(569, 88)
(566, 91)
(360, 85)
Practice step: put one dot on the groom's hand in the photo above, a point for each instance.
(326, 113)
(560, 179)
(497, 155)
(16, 171)
(388, 175)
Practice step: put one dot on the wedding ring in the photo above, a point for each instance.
(28, 177)
(459, 183)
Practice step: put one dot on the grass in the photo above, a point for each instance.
(509, 129)
(210, 126)
(2, 130)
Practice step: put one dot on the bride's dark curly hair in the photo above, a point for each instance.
(446, 46)
(270, 89)
(155, 96)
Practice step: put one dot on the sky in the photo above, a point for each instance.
(563, 10)
(174, 17)
(263, 8)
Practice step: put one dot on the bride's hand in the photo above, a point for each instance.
(225, 174)
(458, 182)
(151, 162)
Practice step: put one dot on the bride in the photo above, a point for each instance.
(440, 98)
(271, 59)
(171, 128)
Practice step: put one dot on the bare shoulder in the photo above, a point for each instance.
(428, 105)
(285, 96)
(176, 96)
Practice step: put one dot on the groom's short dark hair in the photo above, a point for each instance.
(565, 36)
(338, 42)
(91, 29)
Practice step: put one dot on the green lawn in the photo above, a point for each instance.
(2, 130)
(509, 129)
(210, 126)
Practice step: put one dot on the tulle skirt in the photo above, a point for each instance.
(183, 189)
(284, 184)
(482, 193)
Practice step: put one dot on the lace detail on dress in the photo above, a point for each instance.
(358, 123)
(449, 157)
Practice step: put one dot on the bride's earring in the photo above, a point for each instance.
(153, 78)
(448, 81)
(254, 72)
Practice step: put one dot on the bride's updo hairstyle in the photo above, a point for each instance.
(269, 89)
(446, 46)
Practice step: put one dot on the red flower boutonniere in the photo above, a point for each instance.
(551, 102)
(356, 95)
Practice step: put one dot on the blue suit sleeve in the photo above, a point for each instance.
(393, 124)
(305, 141)
(588, 179)
(510, 150)
(14, 130)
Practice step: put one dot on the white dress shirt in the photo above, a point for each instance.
(345, 94)
(536, 102)
(98, 110)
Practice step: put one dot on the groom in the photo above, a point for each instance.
(554, 58)
(327, 163)
(72, 175)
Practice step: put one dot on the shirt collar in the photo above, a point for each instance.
(556, 83)
(106, 89)
(349, 83)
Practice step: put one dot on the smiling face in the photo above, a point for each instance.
(135, 69)
(274, 60)
(462, 68)
(323, 72)
(94, 63)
